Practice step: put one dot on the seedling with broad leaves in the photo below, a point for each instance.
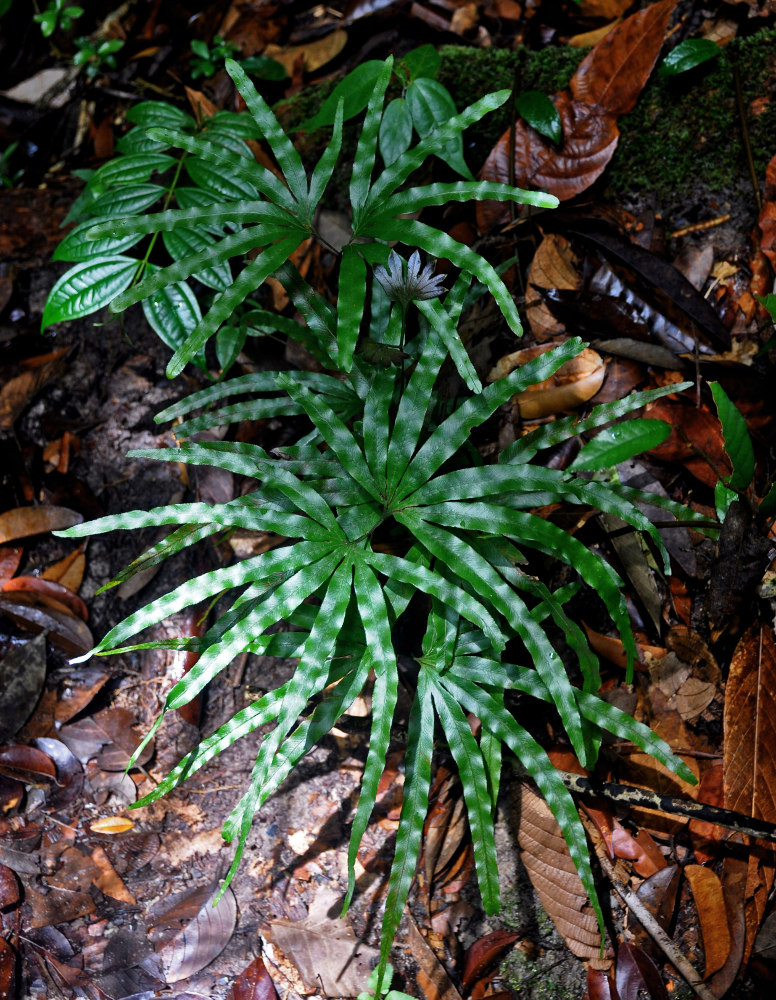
(384, 507)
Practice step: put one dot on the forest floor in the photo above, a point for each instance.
(100, 901)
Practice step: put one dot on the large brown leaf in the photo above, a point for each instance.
(750, 757)
(548, 863)
(606, 85)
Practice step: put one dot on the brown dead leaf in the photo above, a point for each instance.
(65, 599)
(606, 9)
(68, 571)
(9, 894)
(590, 38)
(658, 893)
(314, 54)
(10, 557)
(553, 266)
(710, 904)
(201, 105)
(22, 675)
(767, 220)
(21, 522)
(112, 825)
(106, 878)
(26, 763)
(688, 675)
(17, 393)
(705, 835)
(483, 955)
(189, 948)
(253, 983)
(58, 906)
(553, 874)
(696, 441)
(606, 85)
(64, 629)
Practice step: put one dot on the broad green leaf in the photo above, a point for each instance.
(689, 54)
(540, 113)
(172, 313)
(264, 67)
(76, 247)
(354, 91)
(149, 113)
(479, 806)
(423, 61)
(395, 131)
(430, 104)
(127, 200)
(351, 299)
(621, 442)
(228, 185)
(738, 443)
(88, 287)
(288, 159)
(723, 498)
(133, 169)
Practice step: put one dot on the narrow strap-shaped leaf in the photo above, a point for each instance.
(435, 585)
(242, 462)
(335, 434)
(249, 409)
(467, 564)
(439, 641)
(217, 215)
(351, 299)
(548, 435)
(312, 672)
(247, 281)
(318, 314)
(541, 769)
(417, 781)
(398, 172)
(304, 497)
(416, 198)
(176, 541)
(377, 630)
(324, 168)
(289, 160)
(412, 410)
(375, 427)
(364, 160)
(490, 748)
(638, 497)
(489, 480)
(283, 561)
(440, 244)
(528, 529)
(269, 610)
(231, 164)
(446, 330)
(479, 805)
(453, 432)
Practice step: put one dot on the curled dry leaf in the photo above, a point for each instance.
(658, 893)
(712, 915)
(64, 629)
(573, 383)
(112, 825)
(21, 522)
(313, 55)
(637, 971)
(26, 763)
(553, 266)
(553, 874)
(606, 85)
(68, 571)
(56, 595)
(484, 954)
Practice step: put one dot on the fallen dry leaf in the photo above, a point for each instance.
(112, 825)
(69, 571)
(106, 878)
(32, 611)
(10, 557)
(202, 938)
(314, 54)
(573, 383)
(710, 905)
(553, 266)
(547, 860)
(47, 589)
(22, 675)
(21, 522)
(253, 983)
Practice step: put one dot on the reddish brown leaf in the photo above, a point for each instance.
(20, 762)
(201, 940)
(109, 736)
(484, 954)
(7, 969)
(658, 893)
(636, 971)
(553, 266)
(10, 557)
(606, 85)
(573, 383)
(9, 894)
(47, 589)
(768, 214)
(64, 629)
(710, 903)
(21, 522)
(600, 986)
(707, 835)
(77, 689)
(696, 441)
(253, 983)
(107, 879)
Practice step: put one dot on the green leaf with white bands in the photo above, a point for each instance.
(288, 159)
(479, 807)
(198, 215)
(172, 313)
(181, 243)
(541, 769)
(377, 630)
(351, 300)
(453, 432)
(88, 287)
(447, 331)
(417, 198)
(364, 159)
(324, 168)
(417, 782)
(250, 278)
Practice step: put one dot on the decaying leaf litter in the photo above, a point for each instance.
(96, 907)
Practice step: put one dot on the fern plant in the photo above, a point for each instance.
(382, 503)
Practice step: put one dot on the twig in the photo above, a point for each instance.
(652, 927)
(745, 134)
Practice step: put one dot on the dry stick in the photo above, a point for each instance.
(653, 928)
